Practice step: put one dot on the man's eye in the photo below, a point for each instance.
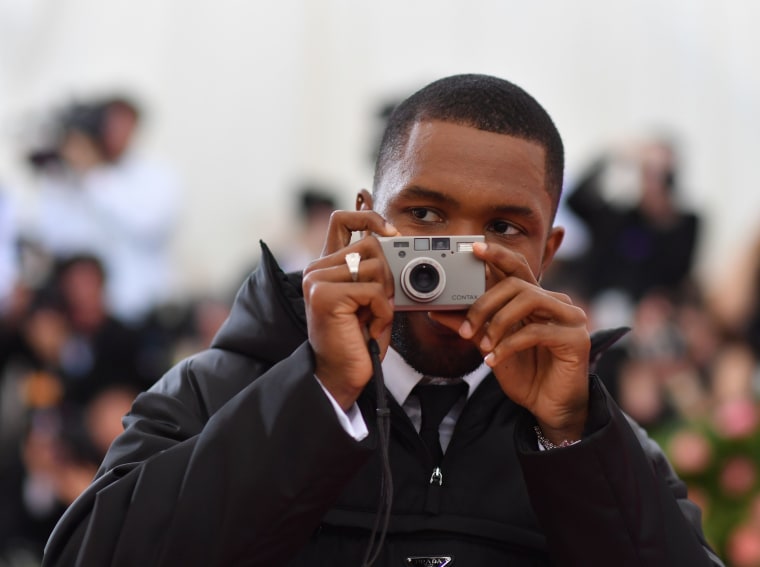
(423, 214)
(504, 227)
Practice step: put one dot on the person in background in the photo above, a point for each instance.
(102, 351)
(315, 205)
(68, 373)
(55, 461)
(648, 245)
(99, 195)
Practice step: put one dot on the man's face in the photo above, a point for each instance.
(454, 179)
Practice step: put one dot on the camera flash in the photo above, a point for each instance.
(464, 246)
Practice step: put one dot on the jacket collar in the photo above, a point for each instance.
(267, 319)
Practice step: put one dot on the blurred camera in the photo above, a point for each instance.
(87, 119)
(434, 272)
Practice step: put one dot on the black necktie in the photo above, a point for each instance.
(436, 400)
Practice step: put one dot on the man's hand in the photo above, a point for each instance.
(342, 314)
(535, 340)
(80, 152)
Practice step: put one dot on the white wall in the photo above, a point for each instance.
(245, 98)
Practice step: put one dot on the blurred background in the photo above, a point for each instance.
(246, 100)
(168, 137)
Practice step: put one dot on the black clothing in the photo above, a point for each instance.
(236, 457)
(23, 531)
(110, 357)
(629, 251)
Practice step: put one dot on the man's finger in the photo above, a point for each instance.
(344, 223)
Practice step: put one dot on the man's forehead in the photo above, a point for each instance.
(436, 137)
(442, 148)
(449, 144)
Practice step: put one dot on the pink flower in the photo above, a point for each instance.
(738, 476)
(744, 547)
(689, 452)
(736, 418)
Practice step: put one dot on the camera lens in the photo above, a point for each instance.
(423, 280)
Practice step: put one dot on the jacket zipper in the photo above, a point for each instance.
(437, 476)
(435, 486)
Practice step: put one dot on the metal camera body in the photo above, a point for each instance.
(433, 273)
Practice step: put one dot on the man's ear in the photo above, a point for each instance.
(363, 200)
(552, 245)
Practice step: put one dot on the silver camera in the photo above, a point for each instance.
(434, 272)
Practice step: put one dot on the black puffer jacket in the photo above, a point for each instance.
(235, 457)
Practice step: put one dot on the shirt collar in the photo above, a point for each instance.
(400, 378)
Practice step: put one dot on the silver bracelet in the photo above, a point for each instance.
(548, 445)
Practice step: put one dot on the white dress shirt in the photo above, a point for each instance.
(400, 379)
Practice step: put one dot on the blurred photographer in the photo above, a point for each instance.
(97, 195)
(73, 139)
(648, 241)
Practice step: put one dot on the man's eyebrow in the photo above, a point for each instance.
(419, 192)
(514, 210)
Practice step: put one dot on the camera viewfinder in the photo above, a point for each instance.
(441, 244)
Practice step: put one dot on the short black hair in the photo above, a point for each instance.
(313, 199)
(481, 101)
(65, 264)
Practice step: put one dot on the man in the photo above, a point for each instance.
(262, 451)
(102, 196)
(647, 246)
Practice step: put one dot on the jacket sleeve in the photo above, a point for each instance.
(253, 480)
(613, 498)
